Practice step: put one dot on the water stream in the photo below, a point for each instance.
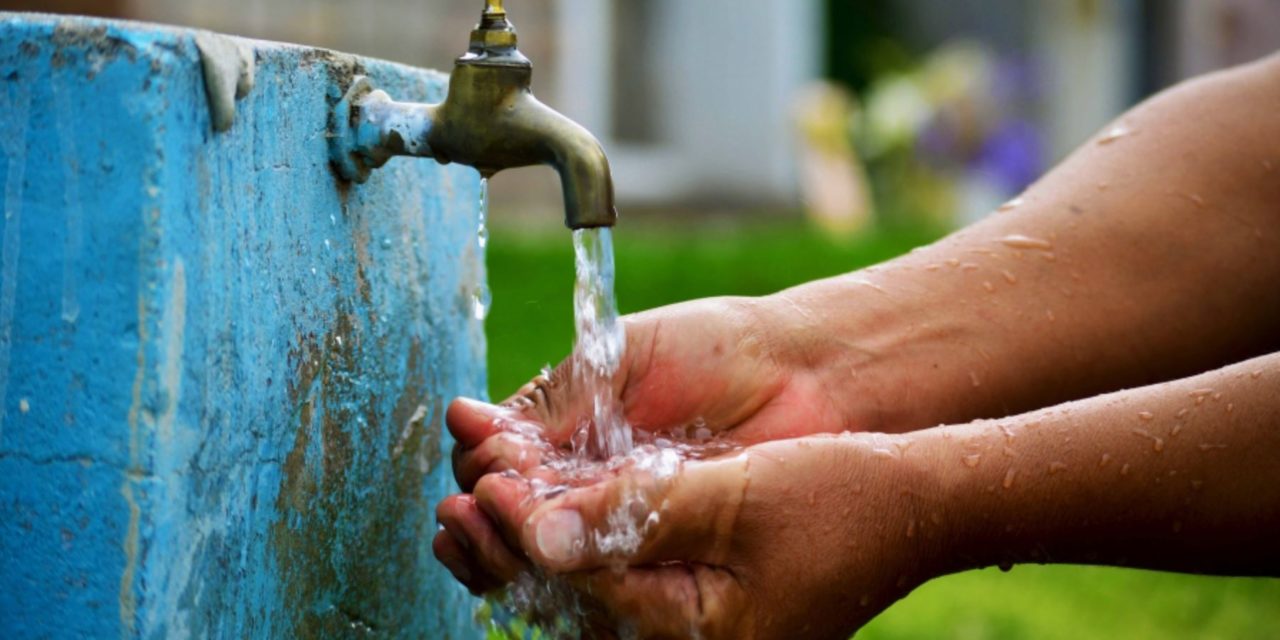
(600, 341)
(601, 445)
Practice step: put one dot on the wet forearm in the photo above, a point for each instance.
(1176, 476)
(1149, 254)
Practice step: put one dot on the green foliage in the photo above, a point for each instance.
(1070, 602)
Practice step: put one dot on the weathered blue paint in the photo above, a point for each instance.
(222, 373)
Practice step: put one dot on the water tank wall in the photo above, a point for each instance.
(223, 372)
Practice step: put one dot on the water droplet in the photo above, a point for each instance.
(933, 266)
(1008, 433)
(1230, 407)
(1106, 458)
(911, 528)
(971, 460)
(1205, 446)
(480, 302)
(1008, 478)
(1009, 277)
(953, 262)
(1011, 204)
(327, 246)
(986, 284)
(1256, 374)
(1005, 565)
(1048, 315)
(1177, 428)
(1055, 467)
(1145, 416)
(1196, 199)
(1019, 241)
(1124, 471)
(23, 405)
(1196, 484)
(973, 379)
(1182, 413)
(1116, 132)
(702, 434)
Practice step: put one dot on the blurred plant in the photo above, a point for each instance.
(833, 183)
(948, 139)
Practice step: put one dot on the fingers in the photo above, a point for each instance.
(634, 518)
(471, 421)
(501, 452)
(472, 548)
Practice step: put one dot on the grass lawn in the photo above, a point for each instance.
(531, 324)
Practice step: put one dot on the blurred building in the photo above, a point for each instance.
(692, 99)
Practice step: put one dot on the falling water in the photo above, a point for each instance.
(603, 444)
(600, 343)
(481, 297)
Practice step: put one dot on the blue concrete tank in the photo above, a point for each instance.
(223, 372)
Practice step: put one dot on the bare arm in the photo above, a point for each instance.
(1151, 253)
(1181, 476)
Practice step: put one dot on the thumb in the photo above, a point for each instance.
(636, 517)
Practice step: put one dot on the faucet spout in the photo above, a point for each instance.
(489, 120)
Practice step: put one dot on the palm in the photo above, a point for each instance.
(712, 362)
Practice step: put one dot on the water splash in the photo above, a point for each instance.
(603, 446)
(600, 343)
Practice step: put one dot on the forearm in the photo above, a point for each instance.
(1182, 475)
(1093, 282)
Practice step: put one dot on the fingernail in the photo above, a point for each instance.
(459, 570)
(560, 535)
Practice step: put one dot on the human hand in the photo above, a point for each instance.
(727, 365)
(810, 536)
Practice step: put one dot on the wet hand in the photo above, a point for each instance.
(811, 536)
(724, 365)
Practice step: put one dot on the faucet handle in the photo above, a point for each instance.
(494, 35)
(493, 12)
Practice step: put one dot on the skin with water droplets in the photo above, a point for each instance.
(1020, 241)
(1114, 133)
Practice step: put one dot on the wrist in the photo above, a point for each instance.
(891, 363)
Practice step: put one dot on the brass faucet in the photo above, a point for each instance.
(489, 120)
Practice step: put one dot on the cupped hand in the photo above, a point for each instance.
(810, 536)
(728, 365)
